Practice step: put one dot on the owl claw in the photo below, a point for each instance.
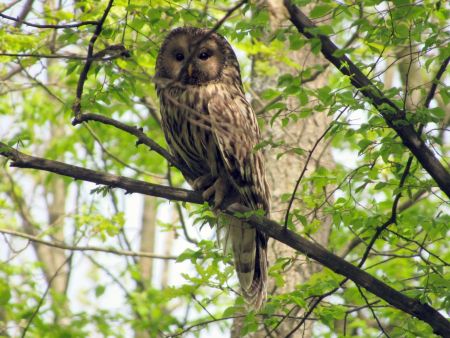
(219, 189)
(202, 182)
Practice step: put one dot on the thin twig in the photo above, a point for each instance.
(97, 56)
(8, 6)
(118, 160)
(305, 167)
(420, 246)
(394, 212)
(202, 306)
(84, 248)
(180, 213)
(62, 26)
(372, 310)
(41, 301)
(313, 304)
(140, 135)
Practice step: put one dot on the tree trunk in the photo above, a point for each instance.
(54, 258)
(283, 173)
(148, 230)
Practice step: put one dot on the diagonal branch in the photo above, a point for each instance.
(84, 73)
(21, 160)
(142, 138)
(398, 300)
(424, 312)
(436, 80)
(394, 212)
(394, 116)
(373, 311)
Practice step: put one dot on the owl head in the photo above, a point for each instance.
(196, 56)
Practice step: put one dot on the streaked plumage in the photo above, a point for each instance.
(210, 126)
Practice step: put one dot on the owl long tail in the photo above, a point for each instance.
(250, 259)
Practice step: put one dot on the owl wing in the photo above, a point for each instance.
(236, 132)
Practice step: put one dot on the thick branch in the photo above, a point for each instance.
(411, 306)
(393, 115)
(333, 262)
(130, 185)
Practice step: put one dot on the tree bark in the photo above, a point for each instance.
(53, 258)
(148, 230)
(283, 173)
(168, 249)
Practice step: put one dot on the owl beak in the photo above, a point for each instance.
(189, 70)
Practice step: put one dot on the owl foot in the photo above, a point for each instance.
(219, 189)
(203, 182)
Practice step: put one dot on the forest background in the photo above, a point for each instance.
(100, 234)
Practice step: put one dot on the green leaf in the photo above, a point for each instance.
(320, 10)
(363, 144)
(270, 94)
(99, 290)
(380, 185)
(5, 293)
(250, 324)
(186, 254)
(296, 42)
(402, 30)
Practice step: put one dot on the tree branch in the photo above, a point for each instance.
(392, 114)
(107, 54)
(44, 295)
(380, 326)
(408, 305)
(394, 212)
(28, 5)
(398, 300)
(130, 185)
(140, 135)
(85, 248)
(436, 80)
(84, 73)
(62, 26)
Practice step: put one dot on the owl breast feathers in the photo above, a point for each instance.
(210, 126)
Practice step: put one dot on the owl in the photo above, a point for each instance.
(211, 128)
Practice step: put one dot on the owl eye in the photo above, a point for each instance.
(179, 56)
(204, 56)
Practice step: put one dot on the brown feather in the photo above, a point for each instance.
(210, 126)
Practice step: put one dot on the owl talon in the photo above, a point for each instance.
(219, 189)
(208, 193)
(202, 182)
